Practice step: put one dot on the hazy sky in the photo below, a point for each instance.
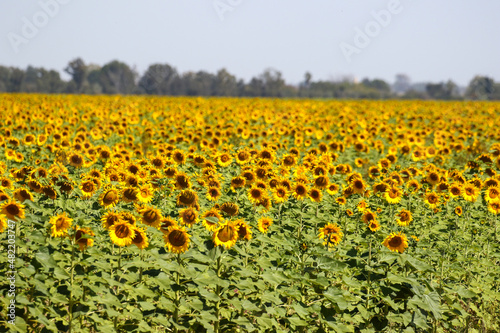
(427, 40)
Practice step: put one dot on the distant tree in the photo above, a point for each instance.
(159, 79)
(402, 84)
(273, 83)
(117, 78)
(480, 88)
(225, 84)
(445, 91)
(78, 72)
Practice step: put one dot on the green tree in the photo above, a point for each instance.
(117, 78)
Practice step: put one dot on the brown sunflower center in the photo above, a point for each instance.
(122, 231)
(110, 197)
(177, 238)
(88, 187)
(226, 234)
(150, 216)
(12, 209)
(395, 241)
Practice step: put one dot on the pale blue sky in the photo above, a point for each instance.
(428, 40)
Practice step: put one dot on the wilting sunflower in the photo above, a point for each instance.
(109, 219)
(315, 195)
(244, 230)
(494, 207)
(150, 216)
(82, 238)
(432, 199)
(393, 195)
(60, 225)
(300, 191)
(187, 198)
(109, 197)
(331, 234)
(264, 224)
(122, 233)
(226, 235)
(458, 211)
(405, 217)
(129, 194)
(188, 216)
(22, 194)
(229, 208)
(176, 239)
(140, 239)
(470, 192)
(166, 223)
(396, 242)
(13, 210)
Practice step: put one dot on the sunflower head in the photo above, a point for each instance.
(396, 242)
(122, 233)
(82, 238)
(177, 239)
(13, 210)
(226, 235)
(60, 225)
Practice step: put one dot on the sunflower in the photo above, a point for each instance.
(75, 160)
(60, 225)
(329, 230)
(178, 156)
(288, 161)
(109, 219)
(315, 195)
(332, 189)
(150, 216)
(249, 177)
(128, 217)
(432, 199)
(396, 242)
(22, 194)
(226, 235)
(432, 178)
(458, 211)
(187, 198)
(13, 210)
(280, 194)
(237, 182)
(413, 185)
(358, 186)
(492, 194)
(82, 237)
(129, 194)
(88, 188)
(242, 157)
(255, 194)
(405, 217)
(140, 239)
(189, 216)
(145, 193)
(244, 230)
(109, 197)
(213, 193)
(455, 190)
(374, 225)
(122, 233)
(470, 192)
(321, 182)
(341, 201)
(182, 181)
(494, 207)
(300, 191)
(224, 159)
(393, 195)
(229, 208)
(49, 192)
(166, 223)
(362, 206)
(3, 223)
(368, 216)
(176, 239)
(212, 223)
(264, 224)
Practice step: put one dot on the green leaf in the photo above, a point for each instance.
(296, 321)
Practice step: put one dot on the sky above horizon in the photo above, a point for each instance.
(430, 41)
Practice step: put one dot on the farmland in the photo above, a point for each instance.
(149, 214)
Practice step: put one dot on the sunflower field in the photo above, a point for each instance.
(160, 214)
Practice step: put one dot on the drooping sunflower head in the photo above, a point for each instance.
(189, 216)
(229, 208)
(109, 219)
(187, 198)
(166, 223)
(244, 230)
(150, 216)
(405, 217)
(82, 238)
(140, 239)
(129, 194)
(109, 197)
(237, 182)
(177, 239)
(226, 235)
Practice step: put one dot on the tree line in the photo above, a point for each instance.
(117, 77)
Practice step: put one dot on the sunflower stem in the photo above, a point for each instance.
(177, 296)
(217, 305)
(72, 269)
